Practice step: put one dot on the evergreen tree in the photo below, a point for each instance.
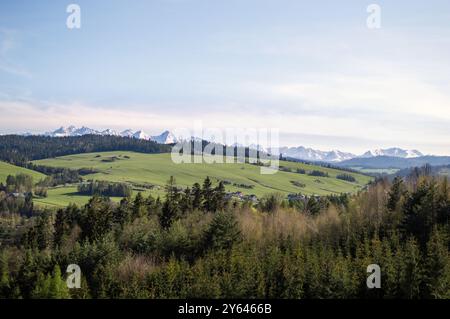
(27, 275)
(58, 287)
(197, 196)
(51, 286)
(411, 270)
(187, 200)
(437, 266)
(171, 208)
(5, 284)
(97, 218)
(223, 231)
(207, 193)
(219, 201)
(139, 206)
(395, 193)
(122, 214)
(44, 230)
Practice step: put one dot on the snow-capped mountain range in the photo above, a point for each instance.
(339, 156)
(300, 152)
(310, 154)
(393, 152)
(164, 138)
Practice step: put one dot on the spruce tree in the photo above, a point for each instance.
(437, 266)
(197, 196)
(207, 192)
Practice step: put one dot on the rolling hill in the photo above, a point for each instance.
(151, 171)
(8, 169)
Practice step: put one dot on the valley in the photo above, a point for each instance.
(149, 173)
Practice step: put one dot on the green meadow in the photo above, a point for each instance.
(8, 169)
(61, 196)
(150, 172)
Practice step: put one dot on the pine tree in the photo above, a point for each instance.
(223, 231)
(207, 192)
(5, 285)
(27, 274)
(139, 207)
(197, 196)
(171, 207)
(437, 266)
(411, 270)
(58, 287)
(186, 200)
(42, 287)
(219, 197)
(122, 214)
(395, 193)
(98, 218)
(44, 230)
(51, 286)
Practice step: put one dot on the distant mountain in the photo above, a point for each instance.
(390, 157)
(257, 147)
(141, 135)
(395, 162)
(165, 138)
(127, 133)
(336, 156)
(392, 152)
(110, 132)
(310, 154)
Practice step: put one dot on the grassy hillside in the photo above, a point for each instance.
(8, 169)
(61, 196)
(155, 169)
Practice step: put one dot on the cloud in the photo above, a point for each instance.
(348, 133)
(7, 45)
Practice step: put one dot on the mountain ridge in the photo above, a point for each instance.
(298, 152)
(165, 137)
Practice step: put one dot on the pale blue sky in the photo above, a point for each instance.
(310, 68)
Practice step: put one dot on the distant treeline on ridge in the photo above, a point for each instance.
(18, 150)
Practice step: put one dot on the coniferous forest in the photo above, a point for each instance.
(198, 243)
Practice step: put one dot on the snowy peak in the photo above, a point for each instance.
(83, 131)
(310, 154)
(392, 152)
(164, 138)
(141, 135)
(300, 152)
(127, 133)
(336, 156)
(110, 132)
(62, 131)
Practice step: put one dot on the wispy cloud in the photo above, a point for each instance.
(348, 133)
(7, 46)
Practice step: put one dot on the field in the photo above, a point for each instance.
(8, 169)
(61, 196)
(150, 172)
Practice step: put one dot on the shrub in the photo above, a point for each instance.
(346, 177)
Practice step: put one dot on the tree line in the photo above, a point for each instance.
(19, 150)
(104, 188)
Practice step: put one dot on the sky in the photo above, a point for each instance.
(311, 69)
